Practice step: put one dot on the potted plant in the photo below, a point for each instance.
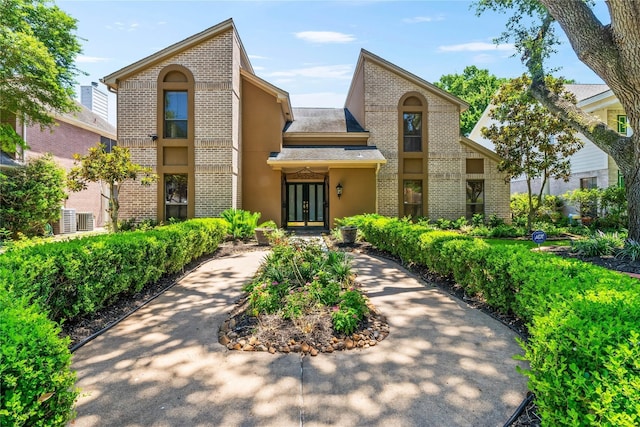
(263, 231)
(348, 234)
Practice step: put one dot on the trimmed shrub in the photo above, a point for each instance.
(584, 349)
(36, 383)
(80, 276)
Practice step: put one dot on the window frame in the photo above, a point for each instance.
(408, 140)
(469, 213)
(184, 104)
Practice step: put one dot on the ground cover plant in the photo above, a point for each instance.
(582, 319)
(303, 298)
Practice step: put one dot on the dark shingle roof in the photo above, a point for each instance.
(323, 120)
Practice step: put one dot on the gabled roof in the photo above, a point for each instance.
(112, 79)
(480, 148)
(366, 55)
(585, 91)
(281, 96)
(88, 120)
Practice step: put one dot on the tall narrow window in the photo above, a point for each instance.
(622, 124)
(412, 198)
(475, 198)
(175, 114)
(175, 190)
(412, 125)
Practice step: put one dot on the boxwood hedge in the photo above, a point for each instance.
(48, 283)
(584, 321)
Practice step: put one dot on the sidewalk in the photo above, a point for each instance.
(443, 364)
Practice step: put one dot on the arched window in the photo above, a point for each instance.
(176, 91)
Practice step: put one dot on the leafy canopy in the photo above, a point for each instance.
(476, 87)
(532, 141)
(38, 47)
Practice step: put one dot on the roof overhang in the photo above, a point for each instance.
(282, 96)
(326, 158)
(480, 149)
(324, 138)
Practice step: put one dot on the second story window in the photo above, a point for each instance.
(622, 124)
(175, 114)
(412, 125)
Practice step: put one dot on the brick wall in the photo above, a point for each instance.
(63, 141)
(216, 137)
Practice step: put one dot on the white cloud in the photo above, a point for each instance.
(318, 100)
(258, 68)
(418, 19)
(476, 47)
(121, 26)
(84, 59)
(325, 37)
(322, 71)
(257, 57)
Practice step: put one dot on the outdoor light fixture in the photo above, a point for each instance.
(339, 190)
(153, 136)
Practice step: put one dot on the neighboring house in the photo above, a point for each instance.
(590, 166)
(73, 133)
(218, 136)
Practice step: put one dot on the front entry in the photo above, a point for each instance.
(306, 204)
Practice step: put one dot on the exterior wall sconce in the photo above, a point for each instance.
(339, 190)
(154, 137)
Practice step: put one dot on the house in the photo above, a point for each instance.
(219, 136)
(590, 166)
(74, 132)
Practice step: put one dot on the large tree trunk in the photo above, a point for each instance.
(611, 51)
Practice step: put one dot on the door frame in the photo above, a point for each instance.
(305, 177)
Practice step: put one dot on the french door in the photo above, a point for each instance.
(306, 204)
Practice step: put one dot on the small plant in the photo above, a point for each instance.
(477, 220)
(459, 223)
(599, 244)
(630, 251)
(495, 221)
(444, 224)
(241, 223)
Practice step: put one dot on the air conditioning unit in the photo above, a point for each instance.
(85, 221)
(68, 221)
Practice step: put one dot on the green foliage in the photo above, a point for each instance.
(531, 141)
(36, 381)
(37, 66)
(79, 276)
(476, 87)
(113, 168)
(584, 349)
(598, 244)
(297, 278)
(31, 196)
(241, 223)
(630, 251)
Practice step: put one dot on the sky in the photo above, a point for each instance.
(309, 48)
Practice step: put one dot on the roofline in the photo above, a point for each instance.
(279, 164)
(480, 148)
(86, 126)
(365, 54)
(282, 96)
(598, 98)
(112, 79)
(327, 135)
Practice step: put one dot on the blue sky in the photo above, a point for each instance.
(309, 48)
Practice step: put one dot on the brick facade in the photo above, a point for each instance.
(214, 59)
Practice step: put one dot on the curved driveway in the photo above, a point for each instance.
(443, 364)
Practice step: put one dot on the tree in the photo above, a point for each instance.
(113, 168)
(532, 141)
(476, 87)
(38, 48)
(610, 50)
(31, 196)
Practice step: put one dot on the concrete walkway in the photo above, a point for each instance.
(443, 364)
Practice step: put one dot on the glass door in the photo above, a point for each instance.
(305, 204)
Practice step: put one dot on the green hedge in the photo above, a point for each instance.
(51, 282)
(76, 277)
(36, 383)
(584, 320)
